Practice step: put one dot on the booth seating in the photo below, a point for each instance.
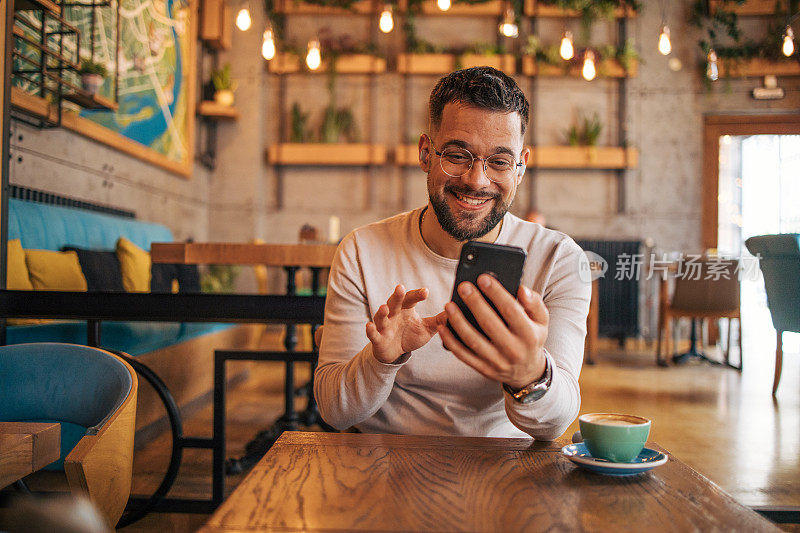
(180, 353)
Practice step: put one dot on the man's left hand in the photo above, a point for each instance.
(512, 353)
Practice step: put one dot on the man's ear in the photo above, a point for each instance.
(424, 153)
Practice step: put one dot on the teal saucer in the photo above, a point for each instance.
(647, 460)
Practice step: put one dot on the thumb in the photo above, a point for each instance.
(533, 304)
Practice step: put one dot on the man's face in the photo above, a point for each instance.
(470, 206)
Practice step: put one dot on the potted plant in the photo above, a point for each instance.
(92, 75)
(223, 85)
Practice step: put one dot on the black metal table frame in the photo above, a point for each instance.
(95, 308)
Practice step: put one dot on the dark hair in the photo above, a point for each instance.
(481, 87)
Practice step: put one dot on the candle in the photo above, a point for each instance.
(333, 229)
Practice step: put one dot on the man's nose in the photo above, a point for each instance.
(476, 176)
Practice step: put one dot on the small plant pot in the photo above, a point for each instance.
(224, 97)
(91, 83)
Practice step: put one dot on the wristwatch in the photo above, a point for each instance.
(534, 391)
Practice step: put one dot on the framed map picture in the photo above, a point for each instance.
(151, 75)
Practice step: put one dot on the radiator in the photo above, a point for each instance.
(618, 298)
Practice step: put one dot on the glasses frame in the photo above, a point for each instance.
(517, 164)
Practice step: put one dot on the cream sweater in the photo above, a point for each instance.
(431, 392)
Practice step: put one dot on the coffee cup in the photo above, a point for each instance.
(615, 437)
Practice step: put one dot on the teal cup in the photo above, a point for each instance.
(615, 437)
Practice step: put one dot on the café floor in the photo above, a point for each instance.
(723, 424)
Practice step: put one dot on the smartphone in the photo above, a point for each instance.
(503, 262)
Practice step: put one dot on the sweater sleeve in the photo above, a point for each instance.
(350, 384)
(567, 299)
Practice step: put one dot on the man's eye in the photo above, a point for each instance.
(457, 158)
(499, 164)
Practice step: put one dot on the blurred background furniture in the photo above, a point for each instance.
(779, 259)
(91, 392)
(26, 447)
(705, 289)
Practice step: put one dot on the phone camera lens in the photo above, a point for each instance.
(470, 258)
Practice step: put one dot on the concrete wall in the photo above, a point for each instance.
(245, 198)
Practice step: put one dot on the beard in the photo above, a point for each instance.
(469, 226)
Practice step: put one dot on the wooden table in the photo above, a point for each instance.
(360, 482)
(230, 253)
(26, 447)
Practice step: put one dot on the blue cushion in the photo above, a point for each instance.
(51, 227)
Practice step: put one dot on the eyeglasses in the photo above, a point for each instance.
(455, 162)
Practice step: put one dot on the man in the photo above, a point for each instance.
(392, 375)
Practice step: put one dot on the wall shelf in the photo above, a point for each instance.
(492, 7)
(534, 8)
(345, 64)
(35, 5)
(325, 154)
(758, 68)
(749, 8)
(606, 68)
(425, 63)
(293, 7)
(91, 101)
(583, 157)
(212, 110)
(216, 24)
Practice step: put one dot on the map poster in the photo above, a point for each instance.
(155, 64)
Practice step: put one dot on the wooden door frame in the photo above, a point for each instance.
(714, 127)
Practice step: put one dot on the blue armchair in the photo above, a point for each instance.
(83, 388)
(780, 264)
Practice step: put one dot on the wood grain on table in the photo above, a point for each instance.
(229, 253)
(26, 447)
(328, 481)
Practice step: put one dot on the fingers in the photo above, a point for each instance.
(489, 321)
(509, 308)
(533, 304)
(452, 344)
(381, 318)
(395, 301)
(472, 339)
(414, 297)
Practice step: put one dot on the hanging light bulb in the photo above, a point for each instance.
(589, 71)
(788, 42)
(567, 51)
(664, 44)
(268, 45)
(444, 5)
(314, 56)
(386, 23)
(243, 20)
(508, 27)
(713, 70)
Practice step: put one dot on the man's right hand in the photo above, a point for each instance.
(397, 328)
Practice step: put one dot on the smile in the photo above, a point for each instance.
(469, 200)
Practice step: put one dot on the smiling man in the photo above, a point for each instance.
(388, 363)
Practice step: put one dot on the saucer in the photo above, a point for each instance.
(647, 459)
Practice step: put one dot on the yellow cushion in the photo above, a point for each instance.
(135, 265)
(55, 271)
(18, 278)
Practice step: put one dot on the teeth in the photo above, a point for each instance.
(470, 201)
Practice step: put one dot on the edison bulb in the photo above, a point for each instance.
(567, 51)
(589, 70)
(664, 44)
(712, 71)
(386, 23)
(444, 5)
(788, 42)
(243, 20)
(268, 46)
(508, 27)
(314, 56)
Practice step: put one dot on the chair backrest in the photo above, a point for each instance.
(80, 385)
(780, 265)
(707, 286)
